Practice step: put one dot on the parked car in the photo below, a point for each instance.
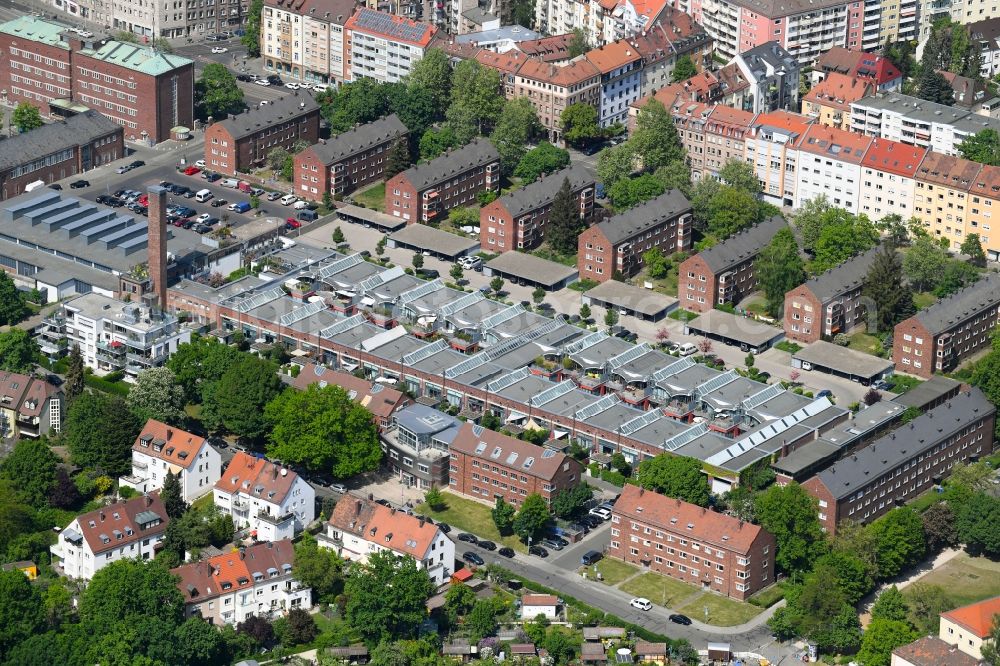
(272, 196)
(825, 393)
(218, 203)
(552, 543)
(473, 558)
(219, 49)
(125, 168)
(240, 206)
(590, 557)
(262, 82)
(445, 527)
(539, 551)
(79, 184)
(488, 545)
(136, 164)
(56, 186)
(203, 217)
(211, 176)
(428, 273)
(275, 80)
(687, 349)
(245, 78)
(600, 512)
(642, 603)
(677, 618)
(292, 223)
(506, 552)
(338, 488)
(467, 538)
(200, 164)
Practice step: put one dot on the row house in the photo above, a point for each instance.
(712, 135)
(161, 449)
(904, 463)
(773, 77)
(255, 581)
(426, 192)
(725, 272)
(348, 161)
(620, 66)
(672, 35)
(829, 303)
(29, 406)
(867, 68)
(888, 182)
(243, 142)
(304, 40)
(488, 465)
(383, 46)
(942, 336)
(382, 401)
(551, 89)
(829, 165)
(517, 220)
(942, 195)
(699, 546)
(506, 64)
(615, 246)
(770, 148)
(829, 101)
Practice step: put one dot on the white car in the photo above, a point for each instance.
(219, 49)
(203, 217)
(291, 85)
(601, 512)
(200, 164)
(300, 205)
(642, 603)
(320, 87)
(262, 82)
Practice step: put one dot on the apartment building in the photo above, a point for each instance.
(904, 463)
(770, 148)
(304, 40)
(381, 400)
(672, 35)
(829, 165)
(931, 651)
(148, 20)
(252, 581)
(909, 120)
(773, 77)
(602, 22)
(349, 160)
(29, 407)
(829, 101)
(486, 465)
(427, 191)
(417, 444)
(621, 73)
(888, 22)
(242, 142)
(724, 273)
(699, 546)
(984, 195)
(987, 34)
(359, 527)
(942, 195)
(830, 302)
(616, 245)
(942, 336)
(968, 627)
(690, 119)
(552, 88)
(384, 47)
(128, 529)
(517, 220)
(162, 448)
(272, 501)
(870, 68)
(506, 64)
(725, 131)
(888, 179)
(144, 90)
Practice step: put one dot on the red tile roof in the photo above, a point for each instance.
(573, 73)
(123, 523)
(894, 157)
(170, 444)
(508, 62)
(838, 91)
(539, 600)
(669, 34)
(834, 143)
(380, 400)
(235, 570)
(932, 651)
(987, 182)
(611, 56)
(385, 526)
(548, 49)
(953, 172)
(391, 27)
(793, 122)
(858, 64)
(336, 11)
(977, 617)
(257, 478)
(478, 442)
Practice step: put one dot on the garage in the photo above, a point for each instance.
(842, 362)
(748, 334)
(441, 244)
(529, 270)
(629, 300)
(370, 218)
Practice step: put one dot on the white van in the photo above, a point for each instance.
(230, 182)
(288, 199)
(203, 195)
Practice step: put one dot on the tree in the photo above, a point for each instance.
(12, 306)
(251, 38)
(126, 36)
(974, 477)
(578, 44)
(568, 502)
(236, 401)
(610, 317)
(925, 263)
(741, 175)
(157, 394)
(436, 141)
(883, 288)
(656, 264)
(386, 597)
(456, 272)
(731, 210)
(503, 514)
(630, 192)
(200, 644)
(127, 590)
(276, 158)
(434, 499)
(615, 163)
(482, 619)
(74, 383)
(200, 363)
(683, 70)
(579, 123)
(532, 518)
(318, 568)
(18, 351)
(680, 477)
(957, 275)
(21, 610)
(842, 238)
(496, 284)
(259, 628)
(323, 429)
(217, 94)
(100, 431)
(433, 73)
(517, 125)
(173, 496)
(976, 523)
(476, 100)
(544, 159)
(31, 470)
(564, 223)
(899, 540)
(890, 605)
(301, 627)
(654, 139)
(398, 159)
(881, 638)
(934, 87)
(585, 312)
(358, 102)
(972, 247)
(791, 515)
(675, 176)
(939, 526)
(64, 494)
(845, 572)
(982, 147)
(338, 235)
(991, 646)
(779, 270)
(26, 117)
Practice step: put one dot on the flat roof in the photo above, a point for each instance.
(637, 299)
(806, 456)
(529, 267)
(376, 218)
(742, 329)
(423, 237)
(927, 392)
(842, 359)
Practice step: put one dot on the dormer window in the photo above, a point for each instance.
(227, 585)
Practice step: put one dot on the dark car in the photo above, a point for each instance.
(166, 184)
(680, 619)
(78, 184)
(137, 164)
(553, 544)
(275, 80)
(473, 558)
(488, 545)
(539, 551)
(211, 222)
(580, 527)
(211, 176)
(56, 186)
(246, 78)
(180, 189)
(506, 552)
(383, 502)
(189, 194)
(428, 273)
(216, 203)
(559, 540)
(444, 527)
(468, 538)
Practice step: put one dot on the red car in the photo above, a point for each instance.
(292, 223)
(191, 170)
(144, 200)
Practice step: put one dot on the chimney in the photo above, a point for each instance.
(422, 521)
(243, 553)
(157, 246)
(149, 501)
(102, 516)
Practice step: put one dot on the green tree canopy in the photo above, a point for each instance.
(503, 514)
(386, 597)
(517, 126)
(251, 38)
(476, 100)
(884, 287)
(779, 270)
(18, 351)
(791, 515)
(569, 502)
(532, 518)
(977, 520)
(127, 590)
(899, 540)
(158, 395)
(972, 247)
(100, 431)
(925, 263)
(578, 44)
(360, 101)
(680, 477)
(881, 638)
(842, 238)
(654, 139)
(21, 611)
(630, 192)
(217, 93)
(934, 87)
(236, 401)
(683, 70)
(741, 175)
(544, 159)
(580, 123)
(26, 117)
(436, 141)
(890, 605)
(982, 147)
(732, 209)
(957, 275)
(564, 223)
(12, 305)
(433, 73)
(200, 362)
(31, 470)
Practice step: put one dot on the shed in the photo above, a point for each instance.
(842, 362)
(421, 238)
(593, 653)
(751, 335)
(522, 649)
(533, 605)
(720, 652)
(529, 270)
(629, 300)
(602, 633)
(370, 218)
(651, 653)
(349, 654)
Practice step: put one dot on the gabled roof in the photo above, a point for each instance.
(785, 121)
(279, 111)
(234, 571)
(77, 130)
(953, 172)
(169, 444)
(977, 617)
(838, 91)
(572, 73)
(122, 523)
(673, 32)
(743, 245)
(506, 63)
(842, 278)
(525, 457)
(391, 27)
(541, 192)
(946, 312)
(479, 152)
(894, 157)
(380, 400)
(645, 216)
(613, 56)
(257, 478)
(539, 600)
(834, 143)
(547, 49)
(932, 651)
(359, 139)
(387, 527)
(986, 31)
(870, 67)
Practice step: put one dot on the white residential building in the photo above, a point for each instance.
(161, 448)
(887, 179)
(156, 19)
(273, 501)
(305, 40)
(384, 47)
(125, 530)
(359, 527)
(533, 605)
(911, 120)
(773, 75)
(829, 165)
(770, 148)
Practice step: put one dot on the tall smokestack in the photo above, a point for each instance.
(157, 247)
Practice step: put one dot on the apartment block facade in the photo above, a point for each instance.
(305, 40)
(773, 77)
(770, 148)
(265, 497)
(148, 20)
(888, 179)
(829, 165)
(552, 88)
(621, 74)
(383, 46)
(943, 194)
(161, 448)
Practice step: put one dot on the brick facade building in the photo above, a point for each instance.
(486, 465)
(693, 544)
(724, 273)
(348, 161)
(243, 142)
(427, 192)
(618, 243)
(517, 220)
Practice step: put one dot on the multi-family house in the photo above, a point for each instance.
(829, 101)
(904, 463)
(704, 548)
(942, 336)
(887, 179)
(773, 75)
(253, 581)
(149, 20)
(909, 120)
(129, 529)
(272, 501)
(305, 40)
(983, 197)
(942, 195)
(551, 89)
(517, 220)
(689, 121)
(359, 527)
(29, 407)
(347, 161)
(986, 33)
(506, 64)
(616, 245)
(621, 73)
(829, 165)
(969, 627)
(486, 465)
(381, 400)
(725, 131)
(426, 192)
(871, 68)
(383, 46)
(672, 35)
(829, 303)
(417, 444)
(162, 448)
(770, 148)
(725, 272)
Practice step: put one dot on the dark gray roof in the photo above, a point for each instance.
(541, 192)
(945, 313)
(645, 216)
(477, 153)
(988, 30)
(278, 111)
(930, 391)
(919, 435)
(843, 277)
(359, 139)
(742, 246)
(843, 359)
(47, 139)
(772, 54)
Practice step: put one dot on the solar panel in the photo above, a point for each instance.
(763, 396)
(629, 355)
(640, 422)
(299, 314)
(716, 383)
(342, 326)
(504, 315)
(507, 380)
(422, 290)
(586, 341)
(462, 303)
(607, 402)
(551, 394)
(467, 365)
(689, 435)
(426, 352)
(340, 265)
(672, 369)
(260, 299)
(378, 280)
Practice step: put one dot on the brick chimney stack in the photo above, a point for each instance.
(157, 247)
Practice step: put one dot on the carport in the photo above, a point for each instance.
(734, 330)
(369, 217)
(630, 300)
(842, 362)
(529, 270)
(441, 244)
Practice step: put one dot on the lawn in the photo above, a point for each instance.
(373, 197)
(680, 314)
(722, 611)
(965, 579)
(923, 299)
(661, 590)
(863, 342)
(466, 515)
(903, 383)
(788, 346)
(612, 571)
(769, 597)
(203, 502)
